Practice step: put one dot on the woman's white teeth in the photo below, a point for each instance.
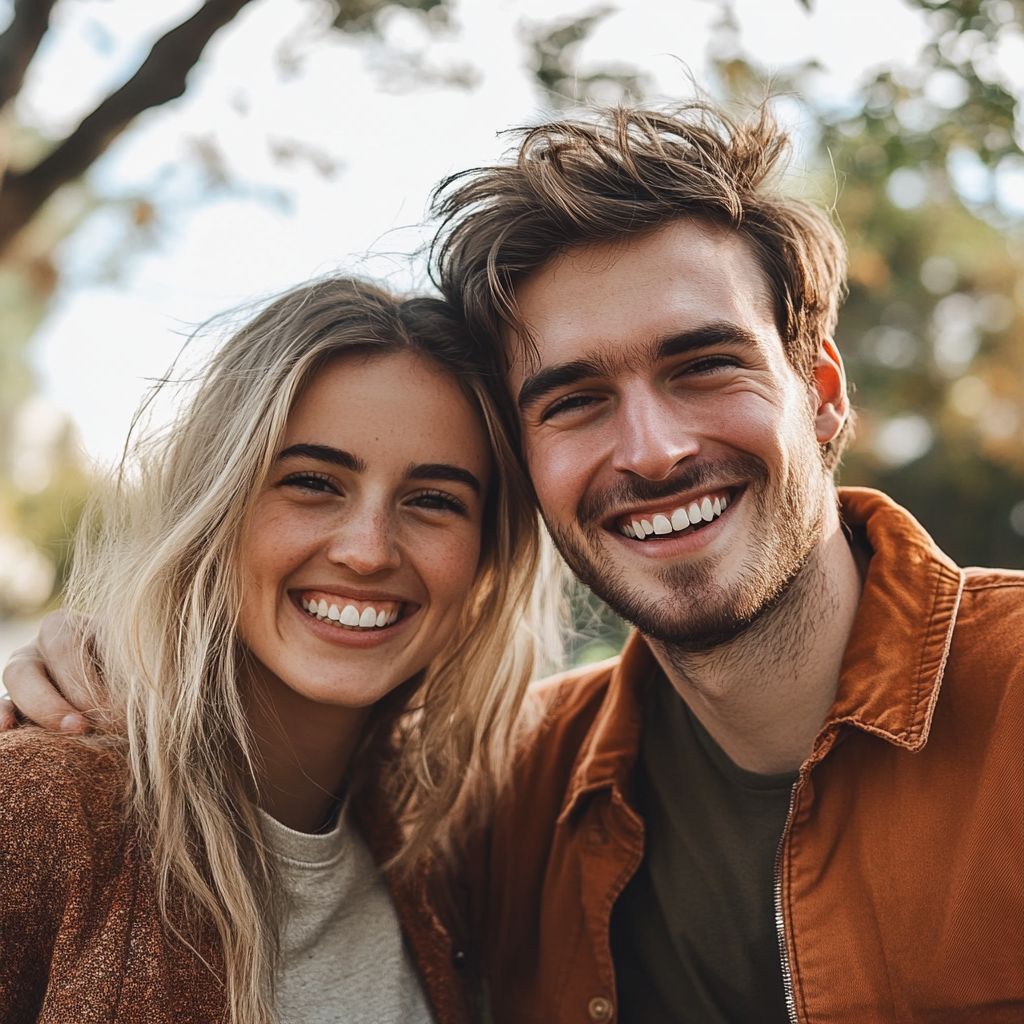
(349, 615)
(702, 512)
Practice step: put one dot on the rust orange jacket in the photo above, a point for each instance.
(900, 878)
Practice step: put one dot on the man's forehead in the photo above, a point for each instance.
(615, 302)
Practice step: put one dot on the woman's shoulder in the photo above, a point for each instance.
(49, 780)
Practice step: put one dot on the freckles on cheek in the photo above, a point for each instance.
(452, 566)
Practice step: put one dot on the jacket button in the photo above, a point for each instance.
(600, 1009)
(597, 836)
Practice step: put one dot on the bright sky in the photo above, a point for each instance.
(284, 221)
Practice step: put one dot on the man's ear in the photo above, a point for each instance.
(833, 404)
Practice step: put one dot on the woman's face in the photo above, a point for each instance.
(366, 538)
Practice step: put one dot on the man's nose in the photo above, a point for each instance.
(365, 542)
(653, 436)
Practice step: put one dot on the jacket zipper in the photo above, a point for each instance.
(780, 921)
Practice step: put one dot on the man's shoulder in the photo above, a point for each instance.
(1009, 582)
(989, 628)
(567, 692)
(558, 716)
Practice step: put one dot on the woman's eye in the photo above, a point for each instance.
(439, 501)
(317, 482)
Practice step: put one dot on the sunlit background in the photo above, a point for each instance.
(312, 131)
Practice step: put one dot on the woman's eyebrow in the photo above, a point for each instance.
(443, 471)
(324, 453)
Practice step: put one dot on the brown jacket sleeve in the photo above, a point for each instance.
(61, 842)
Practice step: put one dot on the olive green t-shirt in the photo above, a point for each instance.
(693, 934)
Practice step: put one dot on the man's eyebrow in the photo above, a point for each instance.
(705, 336)
(543, 382)
(324, 453)
(443, 471)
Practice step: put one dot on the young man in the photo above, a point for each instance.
(797, 796)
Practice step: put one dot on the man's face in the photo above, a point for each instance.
(674, 449)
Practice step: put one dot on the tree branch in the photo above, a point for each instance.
(160, 78)
(19, 43)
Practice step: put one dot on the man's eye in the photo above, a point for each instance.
(708, 364)
(568, 404)
(440, 501)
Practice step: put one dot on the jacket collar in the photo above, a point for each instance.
(893, 666)
(891, 672)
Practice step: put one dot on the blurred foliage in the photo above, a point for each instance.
(363, 15)
(933, 329)
(553, 60)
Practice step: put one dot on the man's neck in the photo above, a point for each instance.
(765, 695)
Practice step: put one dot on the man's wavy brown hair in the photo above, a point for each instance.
(581, 182)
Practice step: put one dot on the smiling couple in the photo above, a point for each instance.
(796, 797)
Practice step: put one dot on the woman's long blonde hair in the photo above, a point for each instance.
(156, 569)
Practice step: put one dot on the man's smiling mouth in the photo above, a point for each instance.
(688, 516)
(351, 614)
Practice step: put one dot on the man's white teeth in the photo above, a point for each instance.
(704, 512)
(349, 615)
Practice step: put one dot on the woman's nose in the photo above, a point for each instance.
(365, 542)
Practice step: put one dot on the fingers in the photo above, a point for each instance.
(8, 720)
(60, 646)
(33, 695)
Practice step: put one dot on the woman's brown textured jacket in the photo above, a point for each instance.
(81, 936)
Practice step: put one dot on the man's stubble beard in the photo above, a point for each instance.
(701, 613)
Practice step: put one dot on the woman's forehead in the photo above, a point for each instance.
(397, 401)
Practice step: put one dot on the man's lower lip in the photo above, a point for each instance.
(661, 541)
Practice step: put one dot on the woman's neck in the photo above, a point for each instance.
(305, 749)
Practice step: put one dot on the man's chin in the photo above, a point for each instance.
(692, 633)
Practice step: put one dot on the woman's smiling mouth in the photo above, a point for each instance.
(349, 613)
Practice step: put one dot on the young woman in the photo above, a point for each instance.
(308, 598)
